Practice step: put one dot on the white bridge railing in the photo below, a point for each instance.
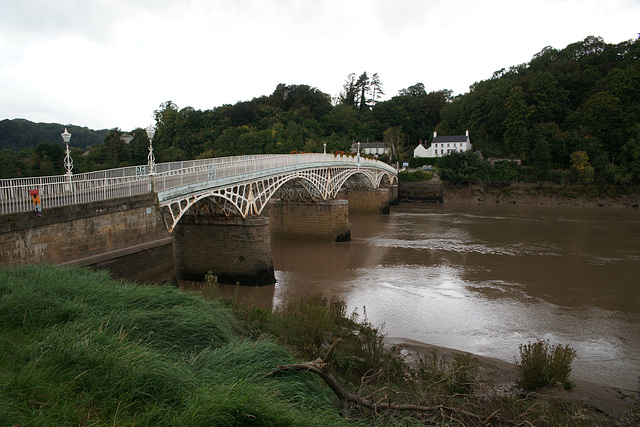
(63, 190)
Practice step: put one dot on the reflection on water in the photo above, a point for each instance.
(485, 279)
(252, 296)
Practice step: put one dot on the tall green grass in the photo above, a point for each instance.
(77, 348)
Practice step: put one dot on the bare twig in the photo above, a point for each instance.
(331, 350)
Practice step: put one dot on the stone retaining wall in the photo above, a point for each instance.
(88, 234)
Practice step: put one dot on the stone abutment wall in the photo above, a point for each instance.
(102, 234)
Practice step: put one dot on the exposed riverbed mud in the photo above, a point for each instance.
(523, 194)
(501, 377)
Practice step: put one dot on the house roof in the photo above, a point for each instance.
(451, 138)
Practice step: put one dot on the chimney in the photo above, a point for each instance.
(467, 133)
(435, 133)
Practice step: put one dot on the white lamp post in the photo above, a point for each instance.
(358, 151)
(325, 148)
(68, 161)
(151, 131)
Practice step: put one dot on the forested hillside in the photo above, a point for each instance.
(30, 149)
(576, 108)
(579, 106)
(18, 134)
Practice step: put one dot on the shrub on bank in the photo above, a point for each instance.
(542, 364)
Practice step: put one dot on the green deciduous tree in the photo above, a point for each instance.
(11, 164)
(416, 90)
(517, 123)
(603, 117)
(463, 167)
(349, 91)
(300, 98)
(581, 166)
(541, 157)
(167, 122)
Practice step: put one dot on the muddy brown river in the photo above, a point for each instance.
(485, 279)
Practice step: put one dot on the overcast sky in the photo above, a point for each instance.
(111, 63)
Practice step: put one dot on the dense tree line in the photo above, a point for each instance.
(577, 108)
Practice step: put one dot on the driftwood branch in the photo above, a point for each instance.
(320, 367)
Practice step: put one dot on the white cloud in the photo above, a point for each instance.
(107, 64)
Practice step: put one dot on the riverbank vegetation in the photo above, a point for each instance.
(415, 176)
(569, 115)
(78, 348)
(541, 364)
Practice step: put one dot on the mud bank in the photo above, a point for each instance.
(501, 377)
(522, 194)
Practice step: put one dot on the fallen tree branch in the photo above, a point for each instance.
(320, 367)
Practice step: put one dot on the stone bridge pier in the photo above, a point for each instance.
(326, 221)
(235, 250)
(369, 202)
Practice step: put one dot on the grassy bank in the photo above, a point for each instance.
(77, 348)
(80, 349)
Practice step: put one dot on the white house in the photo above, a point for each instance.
(375, 148)
(443, 145)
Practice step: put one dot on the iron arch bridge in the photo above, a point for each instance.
(239, 185)
(244, 187)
